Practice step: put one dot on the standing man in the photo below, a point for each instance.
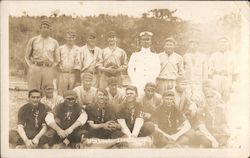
(171, 67)
(195, 65)
(143, 66)
(112, 61)
(131, 117)
(68, 58)
(31, 123)
(116, 95)
(223, 68)
(89, 54)
(85, 92)
(39, 56)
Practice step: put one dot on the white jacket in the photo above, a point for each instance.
(143, 67)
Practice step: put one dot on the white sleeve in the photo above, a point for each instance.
(131, 66)
(83, 118)
(49, 118)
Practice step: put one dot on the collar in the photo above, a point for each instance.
(145, 50)
(113, 47)
(169, 54)
(90, 48)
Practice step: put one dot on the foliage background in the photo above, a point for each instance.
(162, 22)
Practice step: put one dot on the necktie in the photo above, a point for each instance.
(92, 51)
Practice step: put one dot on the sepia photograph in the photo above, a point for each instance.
(125, 79)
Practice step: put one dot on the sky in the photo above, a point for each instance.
(196, 11)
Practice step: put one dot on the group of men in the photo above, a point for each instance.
(173, 99)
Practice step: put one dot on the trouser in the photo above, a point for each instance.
(74, 137)
(103, 80)
(164, 85)
(39, 76)
(66, 81)
(223, 85)
(15, 139)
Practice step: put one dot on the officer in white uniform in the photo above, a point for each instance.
(144, 66)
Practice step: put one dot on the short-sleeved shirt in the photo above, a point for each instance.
(130, 113)
(168, 119)
(68, 58)
(100, 114)
(118, 99)
(171, 66)
(85, 97)
(56, 100)
(41, 49)
(150, 104)
(32, 117)
(89, 58)
(116, 57)
(66, 115)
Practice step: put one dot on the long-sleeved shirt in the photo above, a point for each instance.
(68, 58)
(143, 67)
(89, 58)
(41, 49)
(171, 66)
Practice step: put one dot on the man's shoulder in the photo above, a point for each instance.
(157, 96)
(120, 49)
(77, 89)
(177, 55)
(93, 89)
(25, 107)
(34, 38)
(52, 39)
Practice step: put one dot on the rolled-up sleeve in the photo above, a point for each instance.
(83, 117)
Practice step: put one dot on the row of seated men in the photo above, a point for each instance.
(178, 117)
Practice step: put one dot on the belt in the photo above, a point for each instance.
(44, 64)
(222, 74)
(158, 78)
(68, 72)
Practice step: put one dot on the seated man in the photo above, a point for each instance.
(116, 95)
(66, 120)
(85, 92)
(51, 99)
(172, 124)
(212, 121)
(150, 100)
(131, 117)
(101, 118)
(31, 123)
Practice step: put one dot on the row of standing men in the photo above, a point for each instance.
(45, 57)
